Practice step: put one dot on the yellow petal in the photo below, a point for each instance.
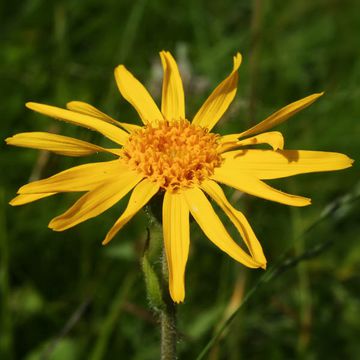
(96, 201)
(140, 196)
(110, 131)
(58, 144)
(213, 228)
(251, 185)
(136, 94)
(238, 219)
(79, 178)
(28, 198)
(218, 102)
(176, 241)
(281, 115)
(268, 164)
(87, 109)
(273, 138)
(172, 103)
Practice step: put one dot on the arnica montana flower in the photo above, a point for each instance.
(181, 158)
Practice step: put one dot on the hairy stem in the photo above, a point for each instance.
(168, 319)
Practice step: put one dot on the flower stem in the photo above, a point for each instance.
(167, 318)
(158, 292)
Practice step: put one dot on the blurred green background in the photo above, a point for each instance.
(64, 296)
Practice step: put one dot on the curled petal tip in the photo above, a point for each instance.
(53, 226)
(105, 241)
(317, 95)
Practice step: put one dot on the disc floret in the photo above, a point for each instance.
(173, 154)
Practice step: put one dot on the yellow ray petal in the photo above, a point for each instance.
(28, 198)
(87, 109)
(176, 241)
(95, 201)
(79, 178)
(213, 228)
(268, 164)
(218, 102)
(273, 138)
(238, 219)
(117, 151)
(251, 185)
(58, 144)
(140, 196)
(110, 131)
(281, 115)
(136, 94)
(173, 102)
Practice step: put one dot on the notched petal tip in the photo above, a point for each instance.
(346, 162)
(54, 227)
(178, 300)
(58, 225)
(302, 201)
(177, 294)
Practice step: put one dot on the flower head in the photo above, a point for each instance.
(181, 158)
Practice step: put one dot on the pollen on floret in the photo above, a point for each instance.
(174, 154)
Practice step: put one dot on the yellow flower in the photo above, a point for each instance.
(182, 159)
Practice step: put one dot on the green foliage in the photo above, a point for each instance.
(64, 296)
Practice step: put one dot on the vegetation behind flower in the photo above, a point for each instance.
(52, 276)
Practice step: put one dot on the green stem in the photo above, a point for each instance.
(168, 319)
(158, 291)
